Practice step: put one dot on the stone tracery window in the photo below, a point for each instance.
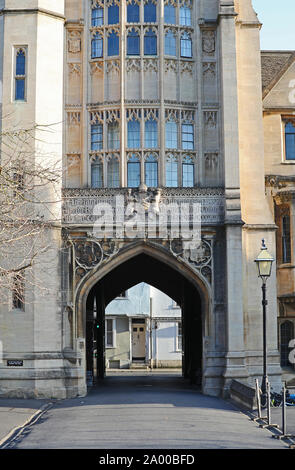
(96, 137)
(133, 134)
(187, 136)
(171, 134)
(185, 15)
(113, 135)
(151, 134)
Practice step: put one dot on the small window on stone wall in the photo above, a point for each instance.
(283, 221)
(289, 127)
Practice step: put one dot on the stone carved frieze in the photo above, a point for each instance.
(197, 253)
(209, 69)
(74, 41)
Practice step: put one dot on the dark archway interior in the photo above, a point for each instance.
(144, 268)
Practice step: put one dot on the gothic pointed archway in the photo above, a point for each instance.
(142, 262)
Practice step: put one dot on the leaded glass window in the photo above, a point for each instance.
(96, 46)
(113, 44)
(172, 173)
(169, 14)
(133, 172)
(133, 13)
(151, 171)
(113, 173)
(20, 75)
(150, 12)
(187, 136)
(170, 44)
(133, 134)
(97, 175)
(150, 43)
(151, 134)
(185, 45)
(113, 14)
(185, 16)
(113, 136)
(97, 16)
(133, 43)
(96, 137)
(188, 173)
(171, 135)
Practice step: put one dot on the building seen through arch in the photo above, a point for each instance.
(176, 139)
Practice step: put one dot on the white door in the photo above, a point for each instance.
(138, 341)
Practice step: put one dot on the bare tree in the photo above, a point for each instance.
(30, 183)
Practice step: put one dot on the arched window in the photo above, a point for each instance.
(133, 134)
(113, 44)
(287, 333)
(96, 136)
(171, 135)
(132, 12)
(133, 172)
(290, 140)
(150, 12)
(97, 16)
(113, 173)
(185, 16)
(113, 14)
(151, 171)
(188, 169)
(169, 13)
(20, 75)
(150, 43)
(96, 46)
(133, 43)
(113, 136)
(96, 175)
(151, 134)
(170, 44)
(185, 45)
(172, 172)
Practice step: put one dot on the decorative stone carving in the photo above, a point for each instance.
(74, 117)
(133, 65)
(208, 43)
(171, 65)
(186, 67)
(197, 253)
(150, 65)
(210, 119)
(113, 66)
(211, 160)
(209, 68)
(74, 41)
(96, 66)
(73, 159)
(74, 68)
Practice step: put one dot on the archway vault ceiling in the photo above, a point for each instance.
(143, 268)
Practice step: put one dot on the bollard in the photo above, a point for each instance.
(284, 419)
(268, 400)
(258, 399)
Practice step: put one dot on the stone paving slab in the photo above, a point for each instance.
(145, 412)
(15, 413)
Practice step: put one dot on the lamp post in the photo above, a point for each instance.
(264, 263)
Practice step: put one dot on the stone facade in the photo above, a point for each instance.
(82, 74)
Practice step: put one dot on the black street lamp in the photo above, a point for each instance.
(264, 263)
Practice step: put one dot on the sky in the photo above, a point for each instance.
(278, 18)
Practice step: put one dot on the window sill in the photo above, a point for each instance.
(290, 162)
(285, 266)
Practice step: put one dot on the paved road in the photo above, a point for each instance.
(146, 412)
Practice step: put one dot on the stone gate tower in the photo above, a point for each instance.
(158, 100)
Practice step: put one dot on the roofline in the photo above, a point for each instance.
(281, 73)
